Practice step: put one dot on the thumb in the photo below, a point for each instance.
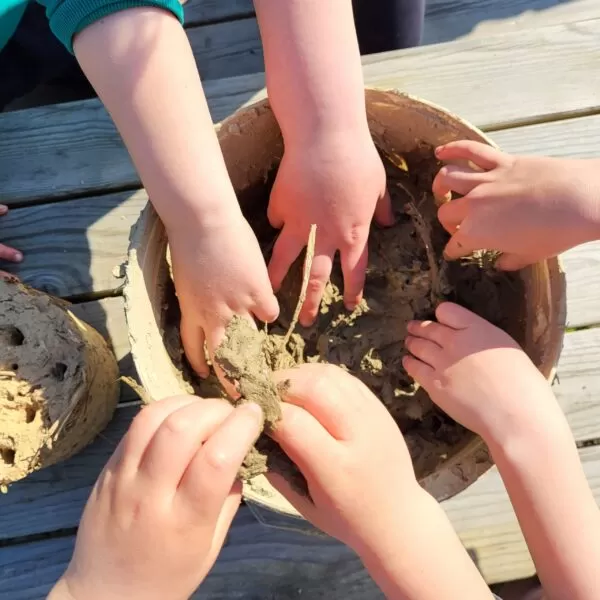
(512, 262)
(384, 214)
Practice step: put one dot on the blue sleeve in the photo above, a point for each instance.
(68, 17)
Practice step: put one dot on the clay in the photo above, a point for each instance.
(406, 278)
(58, 382)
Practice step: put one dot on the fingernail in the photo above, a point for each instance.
(18, 256)
(3, 209)
(253, 409)
(438, 150)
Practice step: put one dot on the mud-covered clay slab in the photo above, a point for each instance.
(58, 382)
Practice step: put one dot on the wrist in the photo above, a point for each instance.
(209, 210)
(303, 127)
(530, 438)
(401, 522)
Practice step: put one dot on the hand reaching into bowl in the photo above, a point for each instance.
(6, 252)
(219, 272)
(527, 207)
(336, 182)
(363, 487)
(480, 376)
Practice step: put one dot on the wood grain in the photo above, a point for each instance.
(256, 562)
(198, 12)
(454, 19)
(107, 316)
(61, 150)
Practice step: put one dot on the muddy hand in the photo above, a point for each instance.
(508, 389)
(159, 512)
(328, 413)
(337, 183)
(529, 208)
(6, 252)
(219, 272)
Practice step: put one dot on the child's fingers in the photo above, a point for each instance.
(460, 180)
(3, 209)
(211, 473)
(266, 308)
(425, 350)
(304, 440)
(285, 251)
(430, 330)
(452, 214)
(455, 316)
(481, 155)
(354, 266)
(143, 428)
(384, 213)
(11, 254)
(320, 271)
(422, 373)
(192, 337)
(177, 440)
(459, 245)
(325, 392)
(6, 275)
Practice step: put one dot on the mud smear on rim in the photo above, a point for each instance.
(407, 278)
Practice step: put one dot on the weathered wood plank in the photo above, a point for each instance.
(256, 562)
(227, 49)
(198, 12)
(75, 247)
(53, 498)
(107, 316)
(74, 149)
(447, 20)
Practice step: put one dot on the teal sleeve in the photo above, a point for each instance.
(68, 17)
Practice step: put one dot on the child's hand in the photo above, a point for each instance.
(507, 389)
(157, 517)
(336, 182)
(6, 252)
(527, 207)
(352, 454)
(219, 272)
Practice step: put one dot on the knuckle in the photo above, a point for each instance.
(219, 460)
(175, 424)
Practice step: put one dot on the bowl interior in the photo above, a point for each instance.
(252, 146)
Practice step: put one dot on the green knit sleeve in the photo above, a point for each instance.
(69, 17)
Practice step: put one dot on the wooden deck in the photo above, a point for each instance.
(527, 72)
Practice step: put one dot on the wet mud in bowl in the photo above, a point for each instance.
(406, 278)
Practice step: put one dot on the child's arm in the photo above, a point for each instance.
(331, 173)
(527, 434)
(142, 66)
(527, 207)
(158, 515)
(363, 488)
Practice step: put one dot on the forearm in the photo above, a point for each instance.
(313, 67)
(141, 64)
(423, 559)
(556, 510)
